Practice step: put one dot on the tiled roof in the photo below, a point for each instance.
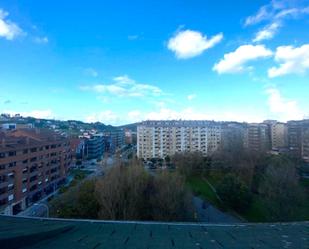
(54, 233)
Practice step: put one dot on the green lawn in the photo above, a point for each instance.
(257, 212)
(80, 174)
(201, 188)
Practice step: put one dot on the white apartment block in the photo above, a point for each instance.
(157, 139)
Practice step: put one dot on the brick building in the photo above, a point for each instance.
(33, 163)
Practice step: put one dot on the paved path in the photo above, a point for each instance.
(207, 213)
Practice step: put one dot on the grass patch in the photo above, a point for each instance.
(201, 188)
(80, 174)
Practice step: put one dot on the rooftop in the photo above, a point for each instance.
(56, 233)
(23, 138)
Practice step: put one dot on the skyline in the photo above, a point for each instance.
(119, 64)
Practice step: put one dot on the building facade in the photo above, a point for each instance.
(305, 141)
(295, 138)
(257, 138)
(115, 139)
(33, 164)
(278, 135)
(158, 139)
(233, 135)
(95, 146)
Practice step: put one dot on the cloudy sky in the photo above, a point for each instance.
(124, 61)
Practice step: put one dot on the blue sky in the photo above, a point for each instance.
(124, 61)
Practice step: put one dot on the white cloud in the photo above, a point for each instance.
(123, 86)
(191, 97)
(275, 13)
(164, 113)
(91, 72)
(236, 61)
(291, 60)
(132, 37)
(267, 32)
(263, 13)
(281, 108)
(107, 117)
(192, 114)
(123, 79)
(111, 118)
(189, 43)
(134, 115)
(8, 29)
(41, 40)
(41, 114)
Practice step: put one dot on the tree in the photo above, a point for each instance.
(191, 163)
(170, 200)
(280, 189)
(78, 202)
(120, 193)
(234, 193)
(126, 192)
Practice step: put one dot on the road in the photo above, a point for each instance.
(207, 213)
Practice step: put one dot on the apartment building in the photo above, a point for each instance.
(305, 141)
(115, 139)
(157, 139)
(233, 135)
(278, 135)
(295, 138)
(257, 137)
(33, 163)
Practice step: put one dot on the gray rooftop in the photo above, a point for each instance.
(55, 233)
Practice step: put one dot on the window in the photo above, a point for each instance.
(25, 151)
(10, 187)
(12, 164)
(2, 155)
(12, 153)
(11, 197)
(3, 178)
(33, 150)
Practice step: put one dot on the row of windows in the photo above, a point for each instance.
(31, 150)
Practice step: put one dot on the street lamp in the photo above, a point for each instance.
(44, 205)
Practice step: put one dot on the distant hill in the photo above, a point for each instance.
(132, 127)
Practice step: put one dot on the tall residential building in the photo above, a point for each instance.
(305, 141)
(157, 139)
(33, 163)
(233, 135)
(278, 134)
(295, 138)
(257, 137)
(116, 139)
